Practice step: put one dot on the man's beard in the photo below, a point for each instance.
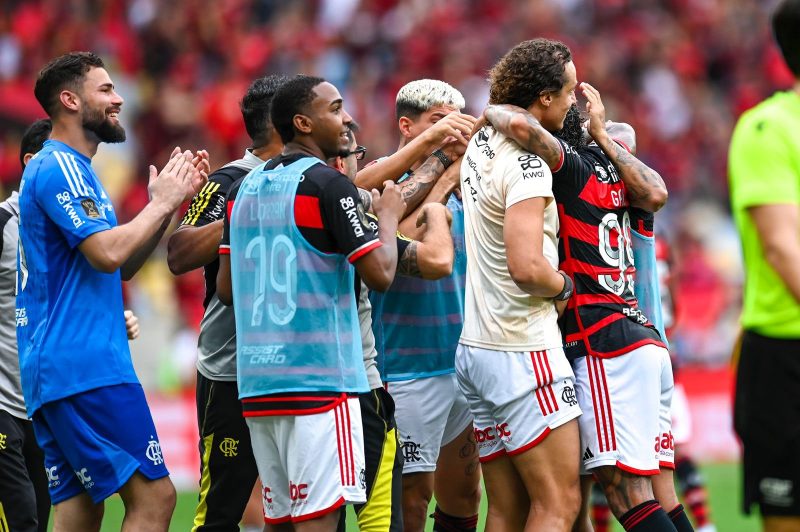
(572, 132)
(106, 131)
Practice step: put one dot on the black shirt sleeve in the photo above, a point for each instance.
(574, 171)
(225, 243)
(344, 217)
(208, 205)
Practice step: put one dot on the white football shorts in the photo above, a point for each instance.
(309, 465)
(516, 398)
(626, 402)
(430, 413)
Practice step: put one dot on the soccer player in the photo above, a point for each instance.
(228, 469)
(24, 499)
(624, 378)
(764, 174)
(510, 362)
(296, 226)
(77, 374)
(417, 324)
(429, 258)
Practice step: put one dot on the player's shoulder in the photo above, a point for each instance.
(769, 116)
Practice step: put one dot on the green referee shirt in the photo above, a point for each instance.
(764, 169)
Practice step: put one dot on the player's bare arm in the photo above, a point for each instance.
(777, 227)
(432, 256)
(377, 268)
(523, 235)
(454, 128)
(523, 128)
(191, 247)
(439, 193)
(118, 248)
(646, 189)
(415, 188)
(366, 199)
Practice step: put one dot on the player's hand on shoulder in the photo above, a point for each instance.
(596, 111)
(171, 186)
(389, 204)
(131, 324)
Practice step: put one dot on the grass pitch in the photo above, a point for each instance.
(722, 481)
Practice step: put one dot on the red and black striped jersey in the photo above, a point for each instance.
(602, 318)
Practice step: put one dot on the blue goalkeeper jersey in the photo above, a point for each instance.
(417, 323)
(70, 324)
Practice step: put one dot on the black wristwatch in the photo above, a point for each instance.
(444, 159)
(566, 292)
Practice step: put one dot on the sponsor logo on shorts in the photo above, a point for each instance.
(362, 477)
(411, 451)
(491, 433)
(776, 491)
(265, 493)
(3, 439)
(298, 492)
(52, 477)
(22, 314)
(229, 447)
(568, 395)
(153, 452)
(84, 477)
(588, 454)
(665, 444)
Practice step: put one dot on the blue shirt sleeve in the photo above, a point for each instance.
(68, 198)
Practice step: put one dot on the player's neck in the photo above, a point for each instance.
(301, 146)
(79, 139)
(270, 150)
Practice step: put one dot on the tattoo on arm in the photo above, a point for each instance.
(639, 178)
(415, 188)
(366, 198)
(534, 138)
(408, 265)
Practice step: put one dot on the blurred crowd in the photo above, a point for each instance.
(680, 71)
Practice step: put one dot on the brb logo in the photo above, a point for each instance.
(298, 491)
(665, 443)
(85, 478)
(52, 477)
(500, 431)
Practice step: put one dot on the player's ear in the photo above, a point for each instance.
(302, 123)
(69, 100)
(405, 124)
(546, 98)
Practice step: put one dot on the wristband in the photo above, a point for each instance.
(566, 292)
(444, 159)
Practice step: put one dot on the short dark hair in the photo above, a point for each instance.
(528, 70)
(256, 106)
(34, 137)
(65, 72)
(291, 98)
(786, 27)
